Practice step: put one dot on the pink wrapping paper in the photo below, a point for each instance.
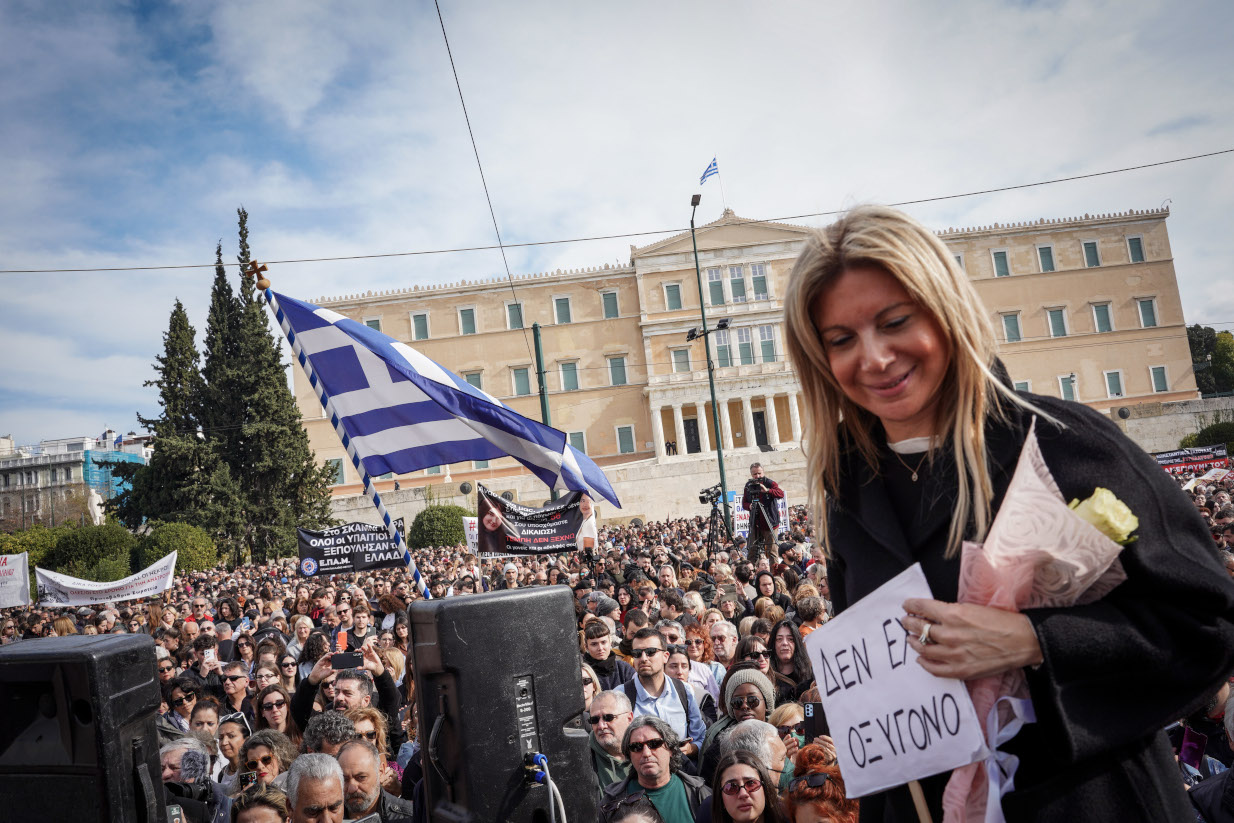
(1038, 553)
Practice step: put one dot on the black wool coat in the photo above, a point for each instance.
(1116, 671)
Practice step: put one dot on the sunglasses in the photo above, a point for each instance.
(765, 654)
(165, 669)
(812, 780)
(234, 677)
(244, 645)
(750, 701)
(637, 653)
(649, 744)
(796, 728)
(277, 704)
(732, 788)
(290, 664)
(369, 736)
(265, 761)
(695, 641)
(180, 701)
(238, 718)
(596, 718)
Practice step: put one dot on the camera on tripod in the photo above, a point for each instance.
(710, 495)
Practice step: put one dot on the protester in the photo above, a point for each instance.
(362, 765)
(656, 758)
(746, 791)
(315, 790)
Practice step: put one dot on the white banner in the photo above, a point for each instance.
(471, 526)
(741, 517)
(14, 580)
(57, 589)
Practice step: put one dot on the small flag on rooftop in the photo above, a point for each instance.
(712, 170)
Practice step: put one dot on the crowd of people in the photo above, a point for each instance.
(695, 679)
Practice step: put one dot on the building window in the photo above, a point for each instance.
(715, 287)
(1114, 383)
(336, 469)
(617, 371)
(578, 442)
(466, 321)
(767, 343)
(1102, 321)
(1045, 256)
(609, 298)
(959, 261)
(569, 376)
(1001, 268)
(373, 323)
(1058, 322)
(1024, 385)
(562, 305)
(625, 440)
(758, 279)
(745, 347)
(1159, 380)
(1135, 249)
(672, 296)
(68, 473)
(724, 350)
(419, 326)
(473, 377)
(1066, 386)
(1092, 258)
(1011, 327)
(737, 283)
(479, 464)
(51, 475)
(1148, 312)
(514, 315)
(433, 470)
(681, 360)
(522, 381)
(386, 476)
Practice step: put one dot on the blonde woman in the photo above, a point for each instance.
(912, 432)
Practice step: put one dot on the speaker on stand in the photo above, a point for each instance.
(499, 680)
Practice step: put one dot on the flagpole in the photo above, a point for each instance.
(720, 177)
(263, 283)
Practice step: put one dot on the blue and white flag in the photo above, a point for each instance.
(712, 170)
(398, 411)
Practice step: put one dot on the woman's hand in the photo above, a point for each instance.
(967, 641)
(390, 780)
(790, 746)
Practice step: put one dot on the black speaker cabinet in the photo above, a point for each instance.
(498, 677)
(77, 736)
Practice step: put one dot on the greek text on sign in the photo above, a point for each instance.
(891, 720)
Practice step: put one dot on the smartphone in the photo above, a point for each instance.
(246, 779)
(346, 660)
(175, 814)
(341, 641)
(210, 655)
(815, 720)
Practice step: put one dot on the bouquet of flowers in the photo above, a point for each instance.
(1040, 552)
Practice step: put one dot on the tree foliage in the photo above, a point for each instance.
(90, 550)
(1212, 355)
(197, 551)
(1217, 434)
(438, 526)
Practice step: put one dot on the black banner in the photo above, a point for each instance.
(352, 547)
(1197, 460)
(508, 528)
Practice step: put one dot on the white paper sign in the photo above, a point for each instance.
(55, 589)
(14, 580)
(473, 536)
(891, 720)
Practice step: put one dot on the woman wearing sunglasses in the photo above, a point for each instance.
(746, 792)
(246, 649)
(233, 730)
(289, 671)
(274, 712)
(267, 753)
(180, 695)
(748, 695)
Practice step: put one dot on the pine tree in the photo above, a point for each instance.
(221, 407)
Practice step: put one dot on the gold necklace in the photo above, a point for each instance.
(911, 470)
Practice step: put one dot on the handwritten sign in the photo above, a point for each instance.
(471, 527)
(14, 580)
(891, 720)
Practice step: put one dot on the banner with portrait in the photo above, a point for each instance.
(506, 527)
(352, 547)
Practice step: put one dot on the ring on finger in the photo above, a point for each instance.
(924, 637)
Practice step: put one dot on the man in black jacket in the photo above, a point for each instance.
(654, 752)
(362, 792)
(761, 501)
(612, 670)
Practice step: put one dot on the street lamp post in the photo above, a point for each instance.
(711, 376)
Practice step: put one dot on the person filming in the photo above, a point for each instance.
(759, 500)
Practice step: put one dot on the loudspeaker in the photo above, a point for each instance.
(498, 678)
(77, 734)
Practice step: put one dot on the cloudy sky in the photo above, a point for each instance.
(130, 133)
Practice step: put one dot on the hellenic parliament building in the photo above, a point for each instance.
(1086, 308)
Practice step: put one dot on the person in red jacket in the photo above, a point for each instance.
(759, 500)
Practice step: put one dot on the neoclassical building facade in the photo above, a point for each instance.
(1085, 308)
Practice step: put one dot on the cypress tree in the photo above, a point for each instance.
(221, 407)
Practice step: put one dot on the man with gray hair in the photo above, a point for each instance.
(654, 751)
(186, 778)
(610, 714)
(184, 761)
(315, 789)
(326, 733)
(760, 739)
(362, 792)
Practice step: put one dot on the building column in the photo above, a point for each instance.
(747, 419)
(657, 432)
(726, 427)
(704, 443)
(773, 422)
(679, 425)
(794, 416)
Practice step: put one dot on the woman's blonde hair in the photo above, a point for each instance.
(971, 393)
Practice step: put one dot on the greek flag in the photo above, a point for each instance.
(398, 411)
(712, 170)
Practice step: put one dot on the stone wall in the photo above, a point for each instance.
(1159, 426)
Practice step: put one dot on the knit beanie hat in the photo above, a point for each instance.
(758, 679)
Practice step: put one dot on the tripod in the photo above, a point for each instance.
(715, 523)
(762, 534)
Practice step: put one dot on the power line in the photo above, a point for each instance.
(624, 235)
(475, 149)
